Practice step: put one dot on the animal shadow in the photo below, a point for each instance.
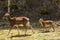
(23, 35)
(45, 31)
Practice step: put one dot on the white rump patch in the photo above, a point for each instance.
(28, 23)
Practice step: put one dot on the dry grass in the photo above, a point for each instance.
(14, 35)
(30, 36)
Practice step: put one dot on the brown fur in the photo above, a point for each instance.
(17, 21)
(46, 23)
